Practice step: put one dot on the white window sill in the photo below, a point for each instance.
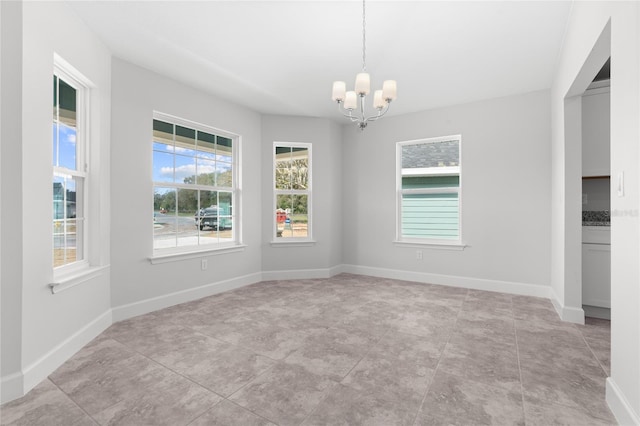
(293, 243)
(194, 254)
(66, 281)
(440, 245)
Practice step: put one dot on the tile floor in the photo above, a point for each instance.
(342, 351)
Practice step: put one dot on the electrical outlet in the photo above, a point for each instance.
(419, 254)
(203, 264)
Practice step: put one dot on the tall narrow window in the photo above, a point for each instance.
(292, 191)
(429, 190)
(195, 186)
(69, 171)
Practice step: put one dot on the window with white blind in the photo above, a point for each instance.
(428, 190)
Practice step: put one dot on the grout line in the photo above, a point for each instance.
(593, 352)
(435, 370)
(73, 400)
(515, 332)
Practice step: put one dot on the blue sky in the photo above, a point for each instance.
(186, 161)
(64, 153)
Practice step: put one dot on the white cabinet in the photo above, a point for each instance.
(596, 275)
(596, 119)
(596, 271)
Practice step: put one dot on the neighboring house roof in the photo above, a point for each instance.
(433, 154)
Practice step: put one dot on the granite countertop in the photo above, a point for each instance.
(595, 223)
(596, 218)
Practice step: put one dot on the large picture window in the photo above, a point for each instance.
(292, 191)
(195, 185)
(69, 170)
(429, 190)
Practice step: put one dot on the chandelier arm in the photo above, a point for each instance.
(380, 114)
(349, 115)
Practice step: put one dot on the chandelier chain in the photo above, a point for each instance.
(364, 39)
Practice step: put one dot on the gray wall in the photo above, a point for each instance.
(327, 215)
(32, 33)
(505, 193)
(137, 93)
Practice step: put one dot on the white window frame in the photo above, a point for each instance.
(64, 71)
(275, 240)
(429, 171)
(162, 255)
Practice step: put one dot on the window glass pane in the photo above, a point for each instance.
(64, 125)
(58, 198)
(67, 103)
(71, 240)
(67, 147)
(185, 141)
(224, 149)
(225, 205)
(284, 204)
(164, 217)
(187, 207)
(185, 169)
(162, 166)
(417, 182)
(300, 169)
(299, 216)
(431, 154)
(283, 168)
(163, 132)
(59, 247)
(224, 177)
(161, 146)
(206, 172)
(206, 145)
(67, 219)
(430, 216)
(207, 218)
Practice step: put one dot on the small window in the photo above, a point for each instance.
(194, 185)
(69, 170)
(292, 191)
(429, 190)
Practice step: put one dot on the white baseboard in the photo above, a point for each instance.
(160, 302)
(452, 281)
(12, 387)
(619, 406)
(566, 313)
(18, 384)
(301, 274)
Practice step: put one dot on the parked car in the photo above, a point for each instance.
(209, 217)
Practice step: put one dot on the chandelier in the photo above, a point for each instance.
(353, 106)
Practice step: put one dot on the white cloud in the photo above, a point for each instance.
(185, 171)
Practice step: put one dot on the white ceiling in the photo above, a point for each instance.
(281, 57)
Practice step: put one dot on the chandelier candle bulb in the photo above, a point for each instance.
(339, 90)
(351, 100)
(389, 90)
(363, 83)
(378, 101)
